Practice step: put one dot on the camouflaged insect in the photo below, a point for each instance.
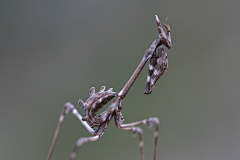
(157, 66)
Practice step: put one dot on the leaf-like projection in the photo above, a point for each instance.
(95, 102)
(157, 66)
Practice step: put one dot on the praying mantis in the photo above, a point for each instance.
(157, 66)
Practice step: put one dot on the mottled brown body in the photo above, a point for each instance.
(157, 66)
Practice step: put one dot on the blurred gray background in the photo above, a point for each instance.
(54, 52)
